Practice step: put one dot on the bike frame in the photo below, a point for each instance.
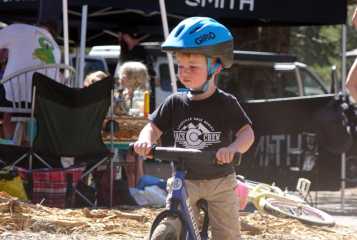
(179, 201)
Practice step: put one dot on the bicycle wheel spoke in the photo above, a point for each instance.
(298, 211)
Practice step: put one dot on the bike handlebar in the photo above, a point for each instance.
(176, 154)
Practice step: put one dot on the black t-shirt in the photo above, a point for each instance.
(207, 124)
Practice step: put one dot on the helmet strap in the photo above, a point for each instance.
(211, 70)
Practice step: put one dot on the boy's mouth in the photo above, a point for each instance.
(186, 80)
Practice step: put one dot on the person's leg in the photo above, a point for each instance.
(139, 169)
(130, 169)
(1, 129)
(8, 126)
(223, 208)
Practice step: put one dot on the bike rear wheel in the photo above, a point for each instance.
(299, 211)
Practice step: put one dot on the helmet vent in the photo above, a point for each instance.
(196, 29)
(179, 30)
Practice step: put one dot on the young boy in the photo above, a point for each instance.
(205, 118)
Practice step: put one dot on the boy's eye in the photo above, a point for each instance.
(190, 67)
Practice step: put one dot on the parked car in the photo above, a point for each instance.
(92, 64)
(253, 76)
(109, 53)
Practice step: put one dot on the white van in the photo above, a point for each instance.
(110, 53)
(92, 64)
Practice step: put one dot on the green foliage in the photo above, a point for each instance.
(317, 46)
(320, 46)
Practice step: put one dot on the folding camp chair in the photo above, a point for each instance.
(19, 85)
(69, 123)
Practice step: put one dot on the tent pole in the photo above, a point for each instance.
(65, 36)
(83, 45)
(343, 67)
(165, 27)
(343, 155)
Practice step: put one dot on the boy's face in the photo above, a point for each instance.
(192, 69)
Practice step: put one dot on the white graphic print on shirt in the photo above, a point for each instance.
(196, 133)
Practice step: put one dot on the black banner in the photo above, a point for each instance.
(144, 15)
(284, 129)
(235, 12)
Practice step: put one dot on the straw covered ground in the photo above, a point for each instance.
(20, 220)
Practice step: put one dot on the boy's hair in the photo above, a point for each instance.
(136, 73)
(94, 77)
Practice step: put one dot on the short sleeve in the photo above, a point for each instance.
(162, 116)
(239, 116)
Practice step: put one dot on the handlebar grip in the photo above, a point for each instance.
(132, 151)
(131, 148)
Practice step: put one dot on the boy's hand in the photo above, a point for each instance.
(143, 148)
(225, 155)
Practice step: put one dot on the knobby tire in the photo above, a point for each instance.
(166, 214)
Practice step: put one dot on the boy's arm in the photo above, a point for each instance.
(244, 140)
(354, 18)
(147, 137)
(351, 82)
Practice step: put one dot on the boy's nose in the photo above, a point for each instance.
(186, 70)
(184, 73)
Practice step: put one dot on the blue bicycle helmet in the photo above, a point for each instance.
(202, 35)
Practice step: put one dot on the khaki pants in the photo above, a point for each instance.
(223, 206)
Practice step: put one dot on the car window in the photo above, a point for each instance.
(248, 82)
(288, 83)
(311, 85)
(165, 82)
(91, 65)
(112, 64)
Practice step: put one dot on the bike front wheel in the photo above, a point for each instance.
(299, 211)
(167, 233)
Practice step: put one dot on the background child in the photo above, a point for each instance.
(94, 77)
(133, 76)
